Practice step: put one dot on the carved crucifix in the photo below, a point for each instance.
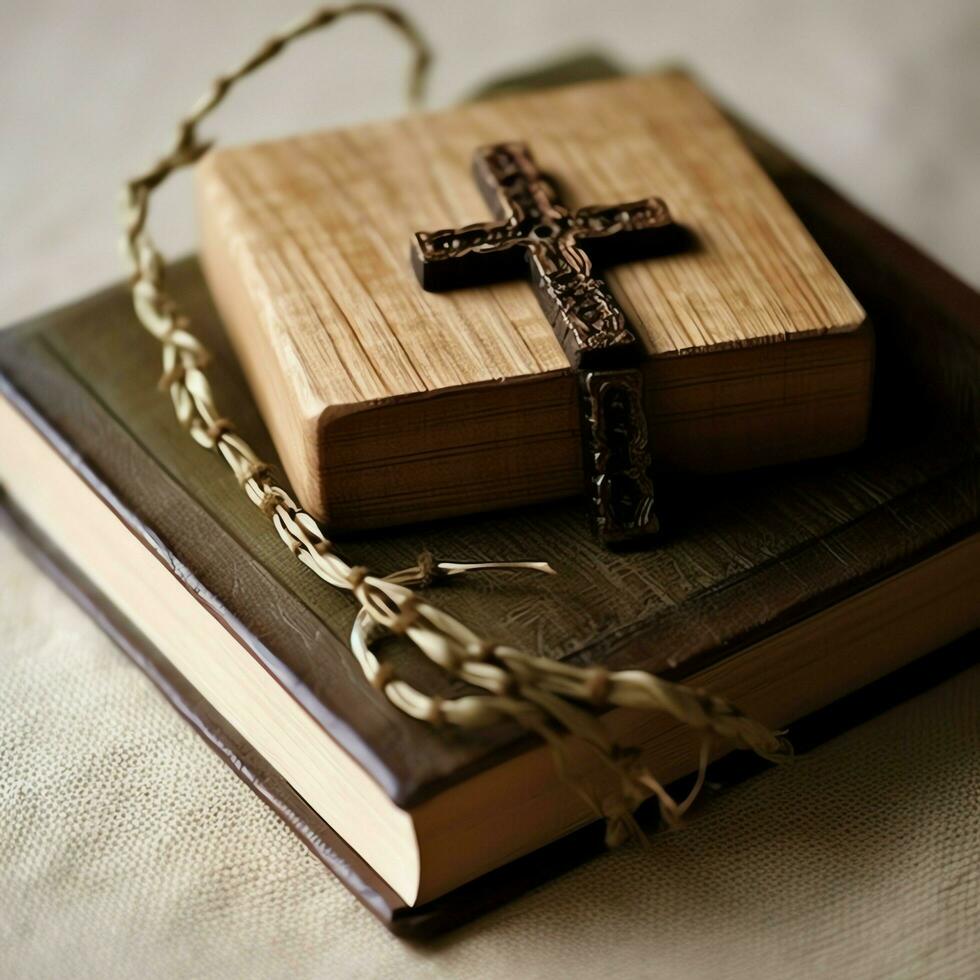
(534, 230)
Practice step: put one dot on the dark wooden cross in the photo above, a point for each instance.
(534, 230)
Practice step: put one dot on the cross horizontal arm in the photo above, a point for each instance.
(626, 232)
(602, 220)
(468, 256)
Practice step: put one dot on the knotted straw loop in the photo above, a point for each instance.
(382, 676)
(540, 694)
(258, 471)
(597, 685)
(218, 428)
(270, 502)
(482, 651)
(428, 569)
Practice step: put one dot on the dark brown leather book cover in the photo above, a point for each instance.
(745, 556)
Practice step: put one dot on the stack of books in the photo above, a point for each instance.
(783, 588)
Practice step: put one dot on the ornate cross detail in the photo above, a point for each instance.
(533, 223)
(533, 229)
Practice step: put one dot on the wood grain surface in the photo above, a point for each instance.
(306, 242)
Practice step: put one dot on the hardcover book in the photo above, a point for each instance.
(783, 589)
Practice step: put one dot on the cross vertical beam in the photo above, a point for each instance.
(533, 231)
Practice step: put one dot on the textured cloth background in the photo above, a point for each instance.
(127, 849)
(881, 96)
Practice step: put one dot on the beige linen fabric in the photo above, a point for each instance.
(128, 849)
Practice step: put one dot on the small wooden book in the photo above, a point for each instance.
(389, 403)
(783, 589)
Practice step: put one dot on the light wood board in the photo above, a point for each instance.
(306, 244)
